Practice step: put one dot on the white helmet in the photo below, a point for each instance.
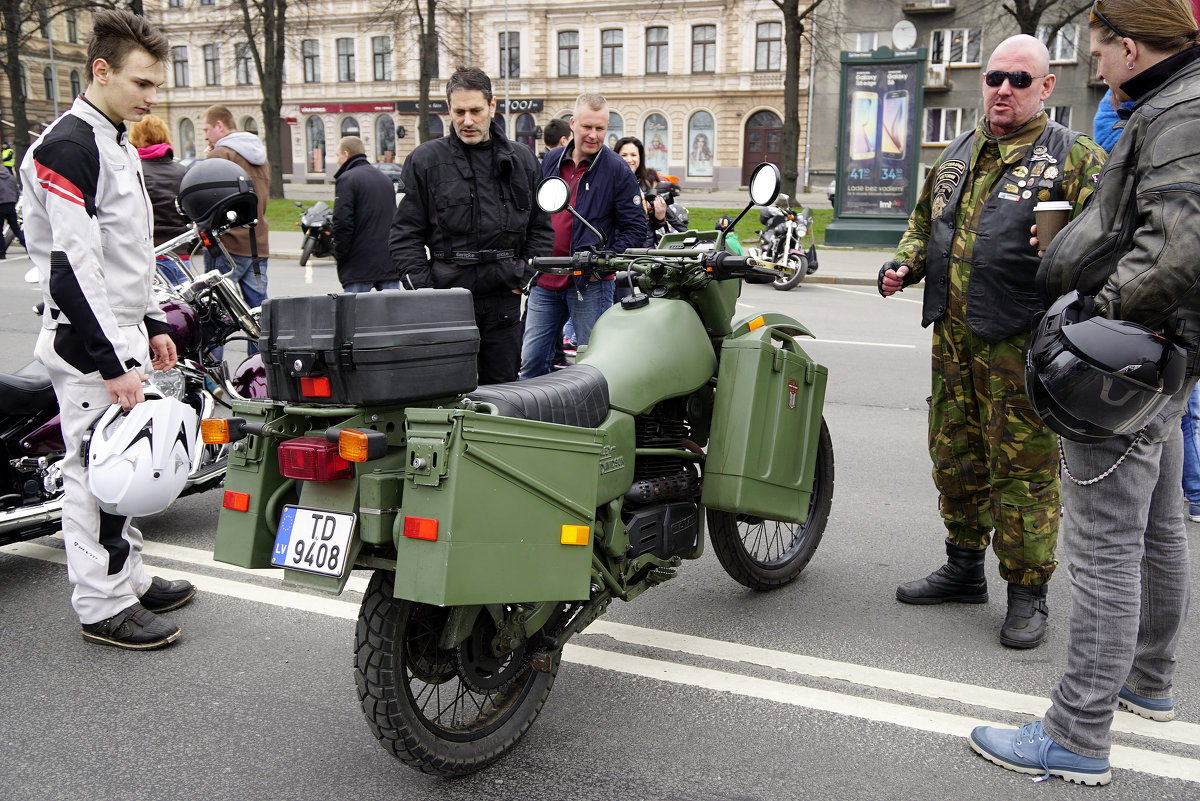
(138, 461)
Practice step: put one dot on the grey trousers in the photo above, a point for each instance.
(1126, 546)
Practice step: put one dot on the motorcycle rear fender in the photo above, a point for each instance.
(773, 320)
(332, 496)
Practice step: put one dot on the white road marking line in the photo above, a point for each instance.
(1138, 759)
(1152, 762)
(852, 342)
(867, 294)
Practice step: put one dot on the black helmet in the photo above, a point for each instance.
(1091, 378)
(767, 214)
(213, 188)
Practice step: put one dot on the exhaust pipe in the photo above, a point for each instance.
(14, 520)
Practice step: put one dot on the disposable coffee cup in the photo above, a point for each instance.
(1051, 217)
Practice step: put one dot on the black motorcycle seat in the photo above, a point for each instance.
(576, 396)
(27, 390)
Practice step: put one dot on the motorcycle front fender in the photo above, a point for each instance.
(775, 320)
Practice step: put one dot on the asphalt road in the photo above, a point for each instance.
(699, 689)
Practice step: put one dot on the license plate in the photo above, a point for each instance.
(313, 540)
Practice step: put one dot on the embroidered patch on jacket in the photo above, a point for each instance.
(949, 175)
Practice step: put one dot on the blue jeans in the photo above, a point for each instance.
(254, 288)
(1191, 454)
(548, 310)
(367, 286)
(171, 270)
(1127, 553)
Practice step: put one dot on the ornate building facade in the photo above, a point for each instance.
(701, 82)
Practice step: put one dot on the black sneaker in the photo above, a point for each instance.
(163, 595)
(135, 628)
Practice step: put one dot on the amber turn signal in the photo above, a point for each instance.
(214, 430)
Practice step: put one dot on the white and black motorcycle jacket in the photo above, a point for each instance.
(89, 230)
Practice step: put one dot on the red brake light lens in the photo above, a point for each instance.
(313, 459)
(315, 387)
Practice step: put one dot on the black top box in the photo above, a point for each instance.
(374, 348)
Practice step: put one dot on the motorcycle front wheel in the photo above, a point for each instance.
(765, 554)
(448, 712)
(793, 272)
(307, 249)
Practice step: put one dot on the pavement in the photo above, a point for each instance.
(837, 265)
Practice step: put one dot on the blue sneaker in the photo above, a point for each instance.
(1160, 709)
(1030, 750)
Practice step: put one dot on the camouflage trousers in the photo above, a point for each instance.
(995, 464)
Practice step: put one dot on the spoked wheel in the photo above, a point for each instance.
(307, 249)
(793, 272)
(764, 554)
(445, 711)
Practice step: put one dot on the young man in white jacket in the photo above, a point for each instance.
(90, 233)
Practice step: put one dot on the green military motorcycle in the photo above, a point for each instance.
(501, 520)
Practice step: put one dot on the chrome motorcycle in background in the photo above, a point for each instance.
(205, 313)
(780, 241)
(317, 225)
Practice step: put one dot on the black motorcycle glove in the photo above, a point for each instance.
(893, 265)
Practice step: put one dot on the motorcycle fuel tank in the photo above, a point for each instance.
(649, 354)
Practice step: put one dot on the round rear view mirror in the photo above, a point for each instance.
(553, 194)
(764, 184)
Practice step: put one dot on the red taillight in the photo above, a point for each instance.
(420, 528)
(237, 501)
(313, 459)
(315, 387)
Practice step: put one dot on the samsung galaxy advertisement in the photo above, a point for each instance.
(879, 140)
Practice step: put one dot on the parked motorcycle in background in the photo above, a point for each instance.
(781, 242)
(205, 312)
(668, 189)
(316, 223)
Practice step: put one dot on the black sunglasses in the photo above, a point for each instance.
(1018, 80)
(1098, 15)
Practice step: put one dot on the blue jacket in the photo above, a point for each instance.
(608, 197)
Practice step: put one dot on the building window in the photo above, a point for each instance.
(310, 52)
(43, 19)
(250, 125)
(187, 139)
(350, 127)
(381, 55)
(943, 125)
(612, 52)
(24, 80)
(616, 128)
(175, 3)
(1062, 44)
(510, 54)
(954, 46)
(768, 45)
(437, 128)
(315, 129)
(179, 59)
(76, 86)
(212, 65)
(72, 27)
(241, 60)
(48, 83)
(385, 138)
(863, 42)
(208, 2)
(1060, 114)
(656, 51)
(568, 54)
(704, 48)
(345, 57)
(654, 138)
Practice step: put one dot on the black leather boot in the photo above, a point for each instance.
(960, 579)
(1025, 624)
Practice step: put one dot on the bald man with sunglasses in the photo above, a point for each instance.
(995, 464)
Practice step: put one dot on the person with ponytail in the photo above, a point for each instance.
(1133, 250)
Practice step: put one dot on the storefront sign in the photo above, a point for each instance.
(345, 108)
(413, 106)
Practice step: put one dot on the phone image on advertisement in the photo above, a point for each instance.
(895, 124)
(864, 119)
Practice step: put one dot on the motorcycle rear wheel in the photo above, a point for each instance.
(793, 273)
(307, 249)
(766, 554)
(414, 696)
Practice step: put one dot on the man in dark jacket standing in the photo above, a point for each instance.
(363, 207)
(469, 198)
(605, 192)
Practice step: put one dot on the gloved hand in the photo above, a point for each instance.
(893, 277)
